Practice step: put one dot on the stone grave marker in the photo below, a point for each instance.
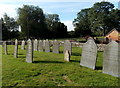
(47, 46)
(16, 48)
(89, 53)
(55, 46)
(111, 59)
(35, 45)
(67, 56)
(40, 45)
(67, 46)
(29, 53)
(23, 45)
(5, 47)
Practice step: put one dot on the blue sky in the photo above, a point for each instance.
(67, 9)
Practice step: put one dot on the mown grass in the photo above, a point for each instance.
(50, 69)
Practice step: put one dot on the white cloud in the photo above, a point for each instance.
(69, 25)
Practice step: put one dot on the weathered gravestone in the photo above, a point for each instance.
(67, 46)
(35, 45)
(67, 56)
(47, 46)
(55, 46)
(16, 48)
(40, 45)
(29, 55)
(23, 45)
(5, 47)
(111, 59)
(89, 53)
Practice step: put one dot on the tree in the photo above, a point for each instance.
(32, 21)
(55, 27)
(98, 17)
(9, 28)
(82, 24)
(97, 20)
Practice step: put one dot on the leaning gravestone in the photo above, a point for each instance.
(23, 45)
(55, 46)
(35, 45)
(47, 46)
(67, 56)
(40, 45)
(16, 48)
(67, 46)
(5, 47)
(111, 60)
(89, 53)
(29, 55)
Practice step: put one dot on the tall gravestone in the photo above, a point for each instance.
(44, 45)
(55, 46)
(40, 45)
(67, 46)
(67, 56)
(111, 59)
(35, 45)
(47, 46)
(29, 54)
(5, 47)
(16, 48)
(23, 45)
(89, 53)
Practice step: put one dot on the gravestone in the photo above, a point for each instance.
(35, 45)
(29, 54)
(67, 56)
(16, 48)
(89, 53)
(40, 45)
(67, 46)
(5, 47)
(111, 59)
(23, 45)
(43, 45)
(47, 46)
(55, 46)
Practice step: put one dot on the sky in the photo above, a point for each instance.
(66, 9)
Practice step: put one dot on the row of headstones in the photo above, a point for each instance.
(44, 45)
(40, 46)
(111, 58)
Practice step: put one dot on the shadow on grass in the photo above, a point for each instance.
(74, 61)
(98, 68)
(48, 62)
(76, 54)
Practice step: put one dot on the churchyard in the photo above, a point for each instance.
(51, 63)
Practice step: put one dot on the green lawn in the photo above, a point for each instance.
(50, 69)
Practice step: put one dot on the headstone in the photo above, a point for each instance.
(43, 45)
(35, 45)
(111, 59)
(89, 53)
(40, 45)
(5, 47)
(47, 46)
(68, 46)
(29, 55)
(16, 48)
(67, 56)
(55, 46)
(23, 45)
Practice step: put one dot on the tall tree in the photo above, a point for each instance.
(32, 21)
(98, 16)
(9, 27)
(82, 24)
